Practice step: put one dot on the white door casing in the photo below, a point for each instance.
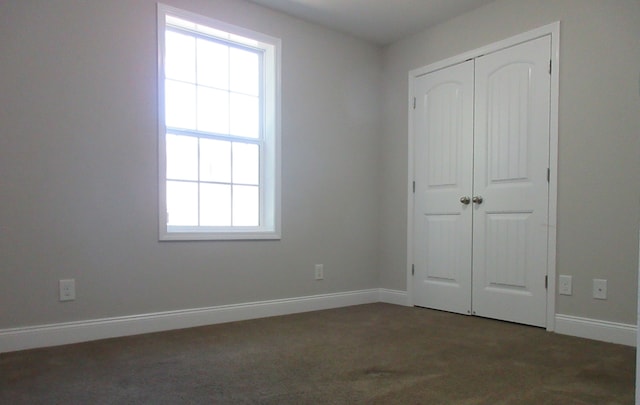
(505, 163)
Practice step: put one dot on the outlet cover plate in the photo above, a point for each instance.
(67, 289)
(565, 285)
(599, 289)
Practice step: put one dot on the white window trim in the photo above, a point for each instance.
(270, 173)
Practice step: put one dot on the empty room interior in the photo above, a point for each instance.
(337, 277)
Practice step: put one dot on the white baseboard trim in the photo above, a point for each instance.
(396, 297)
(82, 331)
(612, 332)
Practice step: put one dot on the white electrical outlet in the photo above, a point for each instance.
(564, 285)
(67, 289)
(319, 272)
(599, 289)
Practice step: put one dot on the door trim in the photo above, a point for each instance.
(553, 30)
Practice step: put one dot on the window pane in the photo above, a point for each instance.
(244, 115)
(180, 57)
(180, 104)
(215, 160)
(245, 71)
(246, 163)
(213, 64)
(182, 157)
(182, 203)
(213, 110)
(246, 206)
(215, 205)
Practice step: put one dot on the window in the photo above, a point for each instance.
(219, 129)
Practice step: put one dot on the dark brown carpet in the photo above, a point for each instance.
(376, 353)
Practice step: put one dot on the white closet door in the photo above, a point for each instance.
(443, 156)
(511, 159)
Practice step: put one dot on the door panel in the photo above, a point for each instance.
(508, 103)
(506, 239)
(443, 128)
(511, 157)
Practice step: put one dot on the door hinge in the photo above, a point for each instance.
(414, 187)
(413, 269)
(548, 175)
(546, 282)
(414, 103)
(550, 62)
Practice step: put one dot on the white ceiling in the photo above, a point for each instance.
(378, 21)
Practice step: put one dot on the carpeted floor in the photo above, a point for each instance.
(378, 353)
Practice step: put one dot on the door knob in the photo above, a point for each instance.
(477, 199)
(465, 200)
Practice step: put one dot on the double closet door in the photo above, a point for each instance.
(481, 159)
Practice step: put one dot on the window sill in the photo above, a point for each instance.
(219, 236)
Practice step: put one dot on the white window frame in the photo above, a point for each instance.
(270, 174)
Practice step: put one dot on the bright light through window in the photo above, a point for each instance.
(219, 130)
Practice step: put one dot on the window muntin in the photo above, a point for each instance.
(219, 130)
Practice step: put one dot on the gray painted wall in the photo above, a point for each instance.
(78, 183)
(78, 164)
(599, 134)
